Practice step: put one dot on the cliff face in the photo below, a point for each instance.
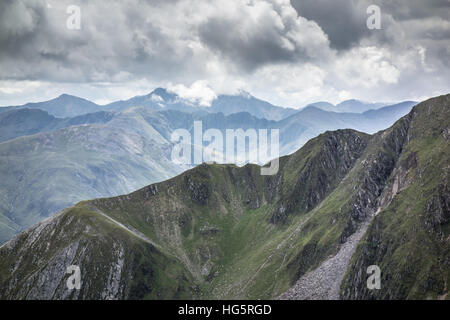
(409, 237)
(344, 201)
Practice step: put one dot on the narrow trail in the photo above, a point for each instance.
(132, 231)
(186, 261)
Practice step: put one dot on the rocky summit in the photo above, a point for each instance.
(343, 202)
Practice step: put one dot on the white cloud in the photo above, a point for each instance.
(199, 92)
(367, 67)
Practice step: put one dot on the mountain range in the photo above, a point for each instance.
(159, 99)
(49, 163)
(350, 106)
(66, 106)
(346, 200)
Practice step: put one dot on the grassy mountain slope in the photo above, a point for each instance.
(233, 233)
(222, 231)
(37, 179)
(409, 238)
(211, 217)
(43, 173)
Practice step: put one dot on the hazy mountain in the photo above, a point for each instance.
(23, 122)
(63, 106)
(358, 106)
(297, 129)
(350, 106)
(324, 106)
(227, 104)
(43, 173)
(160, 99)
(244, 102)
(344, 201)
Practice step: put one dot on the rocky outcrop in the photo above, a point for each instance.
(409, 237)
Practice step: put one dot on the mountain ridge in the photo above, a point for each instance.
(233, 236)
(143, 126)
(66, 105)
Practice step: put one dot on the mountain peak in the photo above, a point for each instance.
(163, 93)
(244, 94)
(66, 97)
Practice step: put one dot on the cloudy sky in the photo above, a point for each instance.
(288, 52)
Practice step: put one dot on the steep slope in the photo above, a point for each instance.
(41, 174)
(409, 237)
(210, 218)
(229, 232)
(117, 263)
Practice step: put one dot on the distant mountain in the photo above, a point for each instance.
(343, 202)
(297, 129)
(350, 106)
(391, 111)
(64, 106)
(326, 106)
(244, 102)
(161, 99)
(23, 122)
(158, 99)
(358, 106)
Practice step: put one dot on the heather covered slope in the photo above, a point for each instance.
(228, 232)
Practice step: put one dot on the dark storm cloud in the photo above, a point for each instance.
(343, 21)
(264, 47)
(115, 39)
(310, 50)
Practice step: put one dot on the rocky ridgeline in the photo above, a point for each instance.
(344, 201)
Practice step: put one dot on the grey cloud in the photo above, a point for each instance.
(277, 35)
(113, 38)
(264, 44)
(343, 21)
(226, 39)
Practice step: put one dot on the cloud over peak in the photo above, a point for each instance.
(288, 52)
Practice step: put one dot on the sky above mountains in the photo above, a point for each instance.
(290, 53)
